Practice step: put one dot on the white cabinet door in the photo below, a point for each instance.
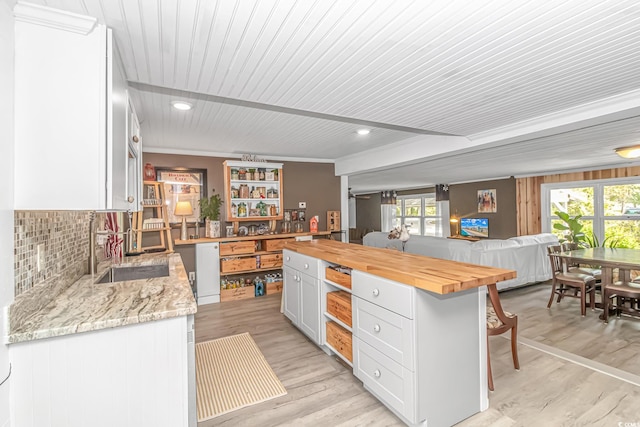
(134, 160)
(208, 272)
(291, 295)
(117, 131)
(68, 112)
(310, 306)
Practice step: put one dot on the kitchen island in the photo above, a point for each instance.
(104, 354)
(415, 333)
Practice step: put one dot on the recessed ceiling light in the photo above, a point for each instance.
(181, 105)
(363, 131)
(632, 152)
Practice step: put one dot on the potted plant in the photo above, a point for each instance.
(571, 228)
(210, 211)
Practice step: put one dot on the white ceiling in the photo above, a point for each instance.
(453, 91)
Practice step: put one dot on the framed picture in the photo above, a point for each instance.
(182, 184)
(487, 201)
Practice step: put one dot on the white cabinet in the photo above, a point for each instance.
(302, 293)
(310, 306)
(291, 296)
(403, 342)
(71, 111)
(208, 272)
(134, 160)
(135, 375)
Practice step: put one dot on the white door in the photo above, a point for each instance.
(291, 294)
(310, 307)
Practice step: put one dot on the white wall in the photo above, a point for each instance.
(6, 195)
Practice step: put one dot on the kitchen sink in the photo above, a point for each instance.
(136, 272)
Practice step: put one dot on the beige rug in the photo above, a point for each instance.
(232, 373)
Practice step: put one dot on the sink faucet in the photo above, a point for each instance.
(92, 265)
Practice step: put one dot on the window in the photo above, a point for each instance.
(610, 209)
(421, 214)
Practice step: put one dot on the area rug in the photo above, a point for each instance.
(232, 373)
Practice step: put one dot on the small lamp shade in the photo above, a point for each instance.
(183, 208)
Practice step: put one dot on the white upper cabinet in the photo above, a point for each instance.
(71, 114)
(134, 160)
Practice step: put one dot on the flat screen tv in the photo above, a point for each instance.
(474, 227)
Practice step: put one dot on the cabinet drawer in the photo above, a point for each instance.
(275, 244)
(274, 287)
(237, 264)
(271, 260)
(340, 339)
(339, 306)
(302, 263)
(389, 381)
(341, 279)
(385, 331)
(237, 293)
(391, 295)
(237, 248)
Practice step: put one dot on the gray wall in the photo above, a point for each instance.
(313, 183)
(463, 198)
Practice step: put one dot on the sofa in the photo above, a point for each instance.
(527, 255)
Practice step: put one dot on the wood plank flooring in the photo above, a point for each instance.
(547, 390)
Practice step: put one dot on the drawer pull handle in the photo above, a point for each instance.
(306, 266)
(376, 373)
(376, 292)
(376, 328)
(288, 258)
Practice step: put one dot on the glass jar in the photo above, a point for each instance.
(286, 227)
(299, 228)
(242, 210)
(235, 174)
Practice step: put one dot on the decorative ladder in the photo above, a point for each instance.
(153, 199)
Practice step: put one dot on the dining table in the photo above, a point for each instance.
(607, 259)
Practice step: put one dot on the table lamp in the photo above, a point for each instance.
(456, 222)
(183, 209)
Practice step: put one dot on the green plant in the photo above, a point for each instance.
(210, 208)
(609, 242)
(571, 228)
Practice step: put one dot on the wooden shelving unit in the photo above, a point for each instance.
(153, 203)
(253, 192)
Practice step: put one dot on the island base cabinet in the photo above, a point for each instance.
(302, 293)
(136, 375)
(386, 379)
(291, 297)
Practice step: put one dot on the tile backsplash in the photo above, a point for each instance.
(65, 239)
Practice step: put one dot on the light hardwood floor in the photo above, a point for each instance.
(547, 391)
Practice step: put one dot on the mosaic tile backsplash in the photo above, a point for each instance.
(65, 235)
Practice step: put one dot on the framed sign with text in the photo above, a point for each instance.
(180, 185)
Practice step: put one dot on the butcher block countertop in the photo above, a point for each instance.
(88, 306)
(431, 274)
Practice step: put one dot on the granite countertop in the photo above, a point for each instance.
(436, 275)
(86, 306)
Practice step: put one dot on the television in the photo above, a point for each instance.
(474, 227)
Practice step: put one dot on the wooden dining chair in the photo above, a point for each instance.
(499, 322)
(626, 297)
(567, 284)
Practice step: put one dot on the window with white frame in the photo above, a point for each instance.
(420, 213)
(610, 210)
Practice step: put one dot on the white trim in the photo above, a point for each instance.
(161, 150)
(54, 18)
